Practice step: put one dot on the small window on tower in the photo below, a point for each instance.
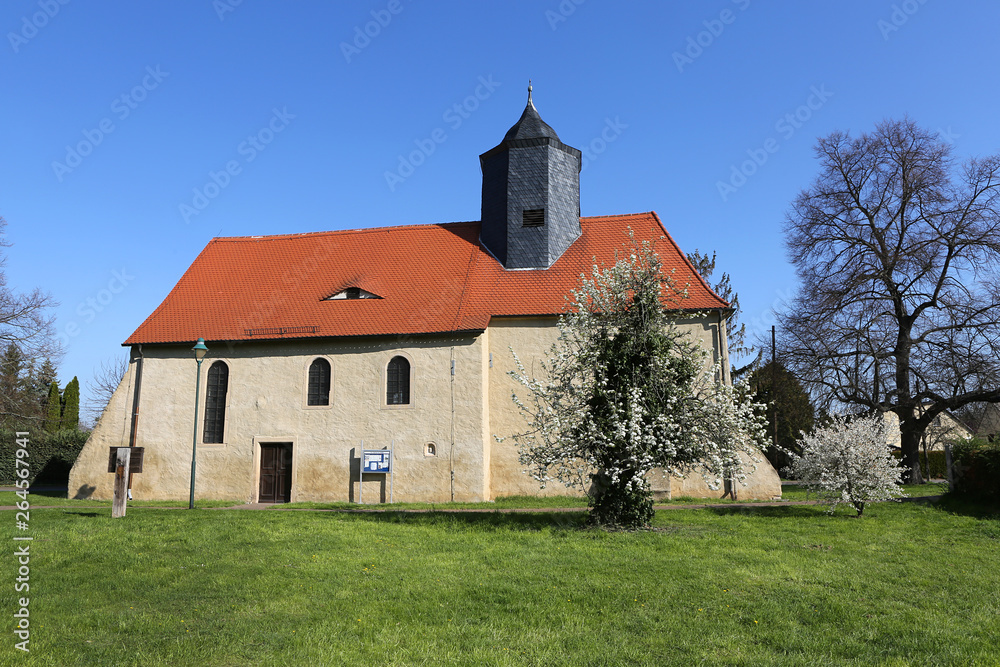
(533, 217)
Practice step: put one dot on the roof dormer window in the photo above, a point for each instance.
(353, 293)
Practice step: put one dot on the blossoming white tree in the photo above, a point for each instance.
(849, 461)
(624, 391)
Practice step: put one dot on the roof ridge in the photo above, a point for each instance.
(684, 256)
(621, 215)
(334, 232)
(385, 228)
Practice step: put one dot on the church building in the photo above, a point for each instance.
(322, 346)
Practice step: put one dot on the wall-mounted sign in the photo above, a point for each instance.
(376, 460)
(135, 459)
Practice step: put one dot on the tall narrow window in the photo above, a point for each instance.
(397, 382)
(319, 382)
(215, 403)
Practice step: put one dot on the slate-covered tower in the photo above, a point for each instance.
(531, 194)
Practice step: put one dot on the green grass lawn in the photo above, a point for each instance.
(59, 499)
(789, 492)
(910, 583)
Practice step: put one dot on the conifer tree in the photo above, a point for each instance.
(15, 406)
(41, 381)
(790, 413)
(53, 409)
(71, 405)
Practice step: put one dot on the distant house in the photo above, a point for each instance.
(945, 429)
(323, 345)
(988, 418)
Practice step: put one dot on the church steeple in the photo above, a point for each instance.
(531, 194)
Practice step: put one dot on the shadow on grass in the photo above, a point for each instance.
(488, 521)
(59, 493)
(979, 508)
(575, 520)
(778, 512)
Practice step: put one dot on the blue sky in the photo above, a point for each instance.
(132, 133)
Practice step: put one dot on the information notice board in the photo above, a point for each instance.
(375, 462)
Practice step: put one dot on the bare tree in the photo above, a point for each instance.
(27, 338)
(103, 385)
(25, 319)
(897, 250)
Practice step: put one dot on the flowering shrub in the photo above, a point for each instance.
(849, 461)
(624, 391)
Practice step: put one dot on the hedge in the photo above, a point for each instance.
(977, 468)
(50, 455)
(935, 460)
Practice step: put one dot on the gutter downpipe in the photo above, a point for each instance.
(134, 431)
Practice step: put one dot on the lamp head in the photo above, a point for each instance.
(199, 349)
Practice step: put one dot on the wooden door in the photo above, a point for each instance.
(275, 472)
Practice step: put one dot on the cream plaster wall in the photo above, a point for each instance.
(267, 403)
(111, 430)
(531, 338)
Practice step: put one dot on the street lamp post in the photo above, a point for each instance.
(199, 350)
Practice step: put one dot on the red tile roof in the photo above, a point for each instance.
(432, 278)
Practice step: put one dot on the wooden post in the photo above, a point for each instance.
(121, 482)
(948, 460)
(774, 393)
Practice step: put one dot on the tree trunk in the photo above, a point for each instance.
(612, 504)
(909, 440)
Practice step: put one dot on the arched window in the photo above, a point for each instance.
(397, 382)
(215, 402)
(319, 382)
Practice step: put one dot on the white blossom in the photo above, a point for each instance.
(849, 461)
(584, 419)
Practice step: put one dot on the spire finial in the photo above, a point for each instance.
(529, 90)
